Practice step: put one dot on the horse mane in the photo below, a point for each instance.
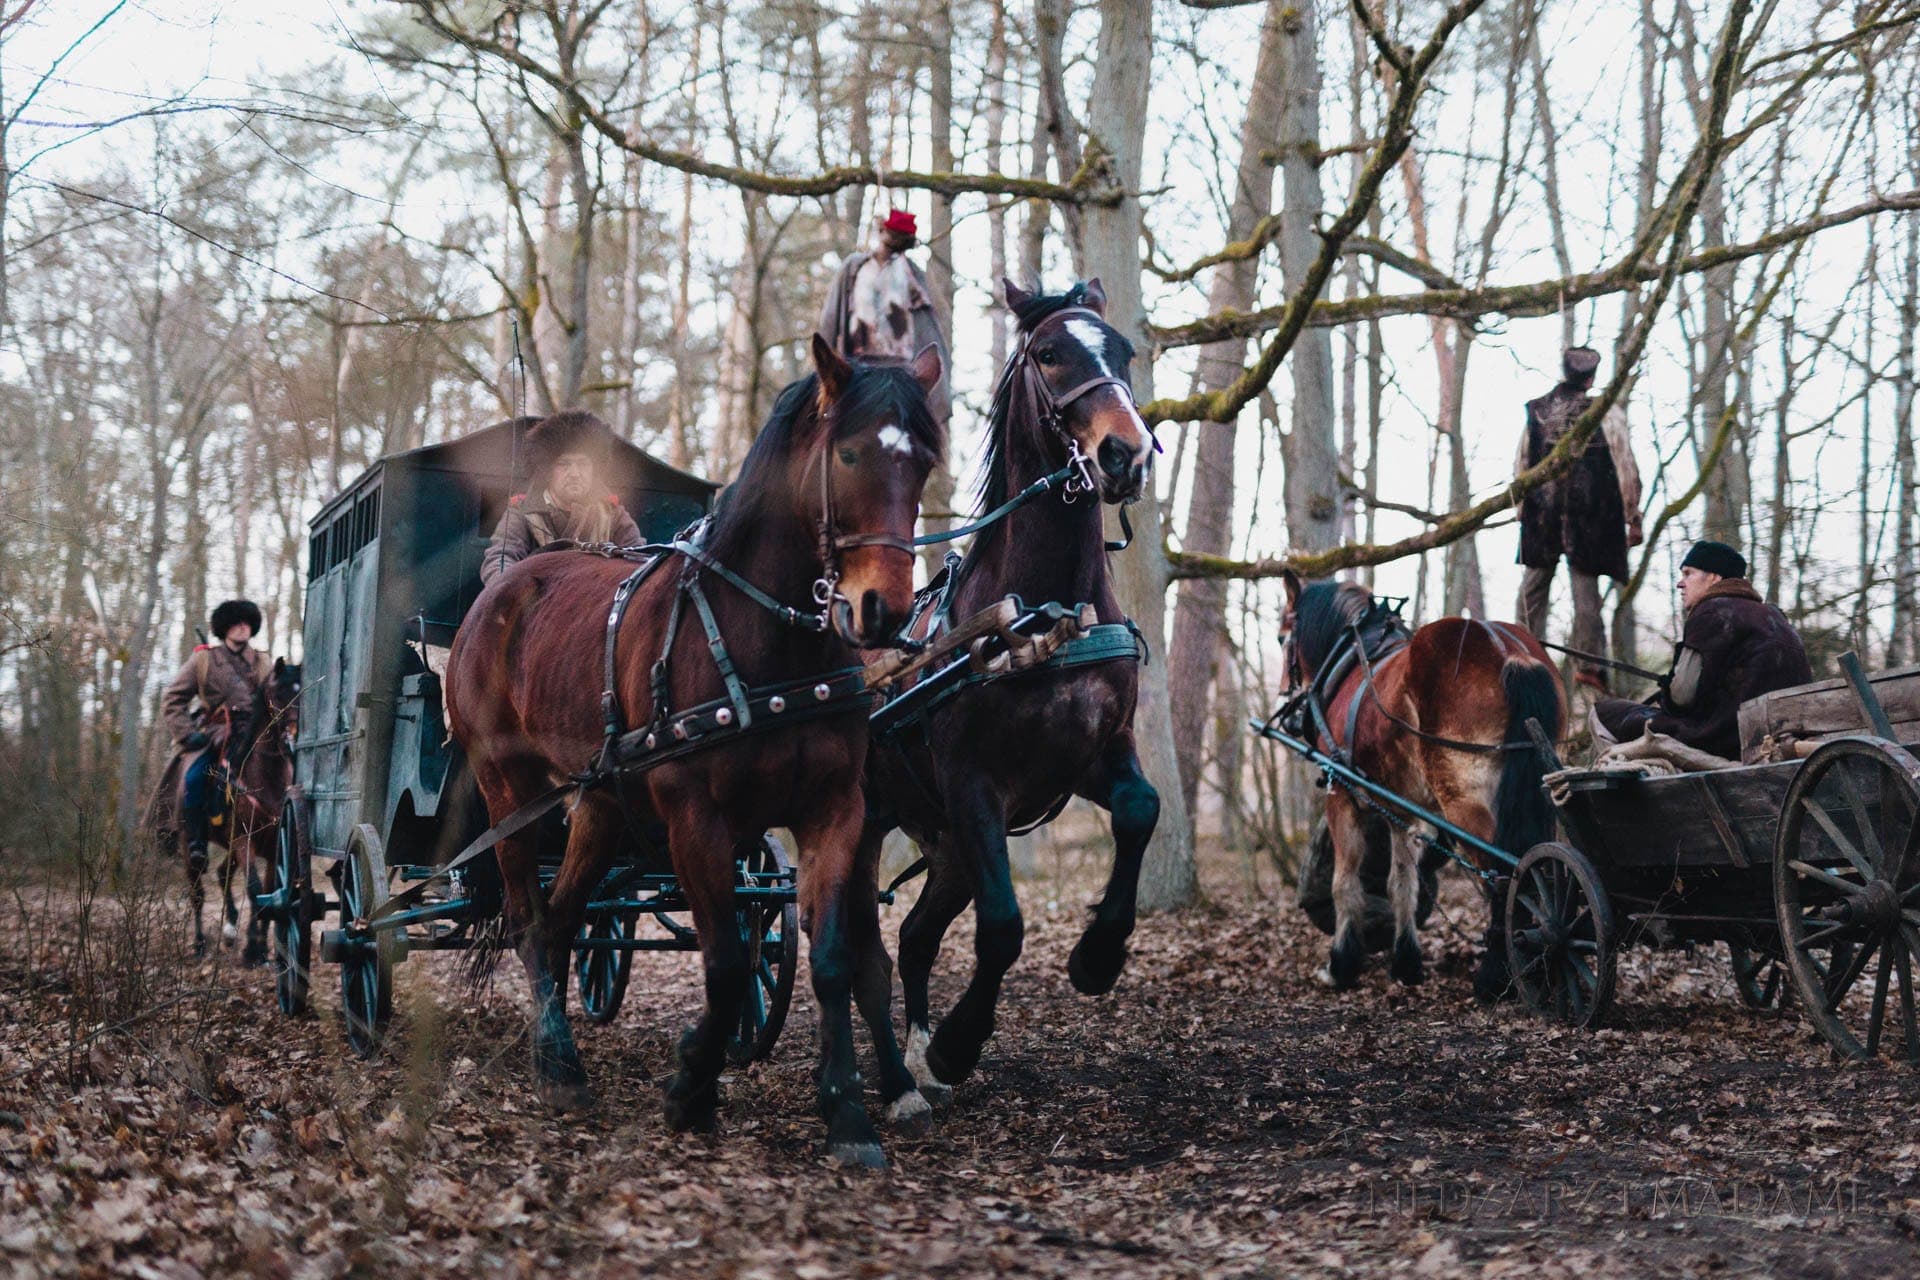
(991, 488)
(877, 389)
(1323, 610)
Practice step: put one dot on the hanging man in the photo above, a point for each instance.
(1735, 646)
(1590, 514)
(880, 306)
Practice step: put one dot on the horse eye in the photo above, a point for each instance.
(850, 456)
(1045, 355)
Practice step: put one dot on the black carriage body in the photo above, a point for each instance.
(1686, 858)
(393, 566)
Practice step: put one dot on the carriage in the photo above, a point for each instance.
(382, 797)
(1803, 863)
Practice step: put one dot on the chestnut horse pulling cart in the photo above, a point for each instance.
(383, 797)
(1805, 862)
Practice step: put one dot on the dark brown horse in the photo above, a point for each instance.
(1007, 753)
(256, 757)
(524, 696)
(262, 768)
(1439, 717)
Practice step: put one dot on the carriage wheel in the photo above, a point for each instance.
(366, 964)
(1560, 939)
(601, 972)
(292, 930)
(771, 934)
(1760, 978)
(1846, 882)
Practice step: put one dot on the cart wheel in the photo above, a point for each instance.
(602, 974)
(1846, 883)
(771, 932)
(292, 930)
(1758, 977)
(366, 964)
(1560, 936)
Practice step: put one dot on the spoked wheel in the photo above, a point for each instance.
(1760, 978)
(1560, 939)
(602, 972)
(770, 931)
(366, 962)
(1846, 882)
(292, 929)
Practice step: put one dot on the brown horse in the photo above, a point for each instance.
(825, 504)
(256, 759)
(1438, 716)
(1007, 753)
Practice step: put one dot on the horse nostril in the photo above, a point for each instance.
(1115, 458)
(873, 613)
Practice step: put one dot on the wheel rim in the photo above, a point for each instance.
(292, 938)
(366, 992)
(1758, 977)
(1559, 936)
(770, 934)
(1847, 890)
(602, 973)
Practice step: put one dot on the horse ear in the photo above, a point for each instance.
(279, 665)
(1016, 296)
(927, 367)
(1291, 581)
(833, 368)
(1096, 298)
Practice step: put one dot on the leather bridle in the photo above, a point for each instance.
(826, 588)
(1050, 407)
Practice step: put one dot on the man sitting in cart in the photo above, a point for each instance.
(206, 707)
(1735, 646)
(567, 500)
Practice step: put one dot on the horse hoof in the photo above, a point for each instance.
(1094, 965)
(939, 1096)
(1407, 968)
(562, 1098)
(910, 1114)
(950, 1065)
(199, 948)
(1345, 962)
(692, 1115)
(229, 934)
(857, 1154)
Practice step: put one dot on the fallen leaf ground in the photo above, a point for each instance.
(1219, 1114)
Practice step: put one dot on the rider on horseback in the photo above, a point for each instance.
(208, 706)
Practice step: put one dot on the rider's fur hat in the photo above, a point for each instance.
(571, 431)
(230, 614)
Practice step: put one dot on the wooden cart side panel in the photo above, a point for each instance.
(1828, 707)
(1718, 819)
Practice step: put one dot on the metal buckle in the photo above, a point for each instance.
(1081, 481)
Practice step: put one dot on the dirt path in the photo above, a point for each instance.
(1221, 1114)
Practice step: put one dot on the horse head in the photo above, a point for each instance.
(1317, 614)
(867, 454)
(1073, 367)
(280, 699)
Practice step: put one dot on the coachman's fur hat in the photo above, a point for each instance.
(572, 431)
(230, 614)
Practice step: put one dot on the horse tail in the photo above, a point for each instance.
(1522, 813)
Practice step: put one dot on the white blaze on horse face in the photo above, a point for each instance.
(894, 440)
(1094, 339)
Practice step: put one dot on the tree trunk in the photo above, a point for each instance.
(1124, 61)
(1198, 626)
(1313, 475)
(1050, 34)
(938, 498)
